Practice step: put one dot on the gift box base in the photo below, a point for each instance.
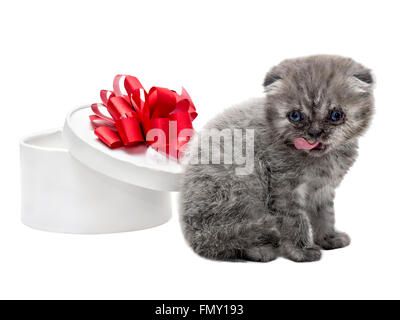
(61, 194)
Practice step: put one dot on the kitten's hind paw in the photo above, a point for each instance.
(334, 241)
(260, 254)
(297, 254)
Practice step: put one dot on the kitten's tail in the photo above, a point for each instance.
(229, 242)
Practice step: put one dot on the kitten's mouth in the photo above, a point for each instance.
(303, 144)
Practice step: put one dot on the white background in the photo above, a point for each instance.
(56, 55)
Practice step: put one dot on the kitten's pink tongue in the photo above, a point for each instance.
(303, 144)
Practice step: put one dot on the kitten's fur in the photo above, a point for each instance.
(285, 206)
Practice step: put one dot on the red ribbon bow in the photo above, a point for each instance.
(162, 120)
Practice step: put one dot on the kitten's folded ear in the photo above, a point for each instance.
(271, 81)
(363, 81)
(365, 76)
(270, 78)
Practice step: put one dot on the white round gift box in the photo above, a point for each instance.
(73, 183)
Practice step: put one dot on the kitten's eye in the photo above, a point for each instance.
(336, 115)
(295, 116)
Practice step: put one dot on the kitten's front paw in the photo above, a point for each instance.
(268, 237)
(334, 241)
(297, 254)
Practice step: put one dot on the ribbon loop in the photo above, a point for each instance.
(118, 107)
(98, 115)
(129, 130)
(161, 102)
(109, 137)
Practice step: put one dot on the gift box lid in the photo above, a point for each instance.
(138, 165)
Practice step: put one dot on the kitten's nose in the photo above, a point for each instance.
(314, 133)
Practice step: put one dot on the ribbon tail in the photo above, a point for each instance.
(192, 108)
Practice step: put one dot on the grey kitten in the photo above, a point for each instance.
(306, 134)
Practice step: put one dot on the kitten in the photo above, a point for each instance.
(306, 134)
